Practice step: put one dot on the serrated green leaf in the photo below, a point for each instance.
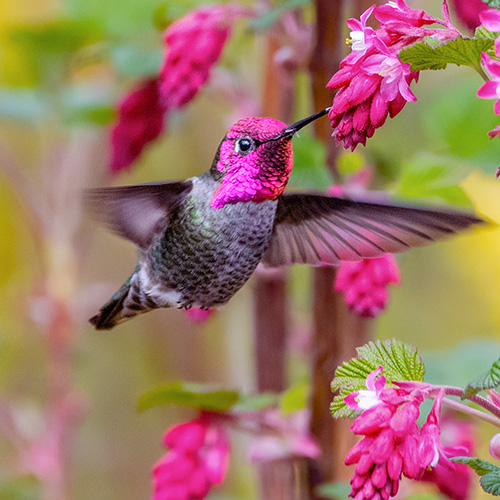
(482, 467)
(294, 398)
(192, 395)
(491, 483)
(400, 361)
(493, 3)
(333, 490)
(488, 380)
(461, 51)
(490, 480)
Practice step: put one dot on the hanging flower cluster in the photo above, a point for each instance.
(393, 445)
(365, 283)
(490, 19)
(193, 44)
(372, 82)
(198, 450)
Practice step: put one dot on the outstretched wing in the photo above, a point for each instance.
(322, 230)
(137, 212)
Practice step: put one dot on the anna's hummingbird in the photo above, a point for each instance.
(200, 240)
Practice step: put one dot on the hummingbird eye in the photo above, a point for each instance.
(244, 145)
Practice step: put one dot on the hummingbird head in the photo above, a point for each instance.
(255, 160)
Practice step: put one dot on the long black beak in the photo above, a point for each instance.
(289, 131)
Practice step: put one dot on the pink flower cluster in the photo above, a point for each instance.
(490, 19)
(372, 82)
(193, 45)
(196, 461)
(393, 445)
(365, 283)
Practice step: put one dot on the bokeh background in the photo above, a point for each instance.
(64, 64)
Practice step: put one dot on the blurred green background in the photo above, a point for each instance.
(63, 66)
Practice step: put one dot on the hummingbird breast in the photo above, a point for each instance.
(206, 255)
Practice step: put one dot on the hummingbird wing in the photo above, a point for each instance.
(324, 230)
(138, 212)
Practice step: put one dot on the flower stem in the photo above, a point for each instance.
(493, 419)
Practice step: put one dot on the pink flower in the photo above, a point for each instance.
(140, 120)
(394, 446)
(490, 19)
(287, 436)
(364, 399)
(468, 12)
(372, 82)
(491, 88)
(389, 448)
(196, 461)
(193, 46)
(364, 283)
(197, 315)
(452, 479)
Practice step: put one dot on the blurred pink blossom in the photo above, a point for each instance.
(365, 283)
(193, 46)
(288, 436)
(140, 120)
(197, 460)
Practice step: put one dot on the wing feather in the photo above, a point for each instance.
(137, 212)
(323, 230)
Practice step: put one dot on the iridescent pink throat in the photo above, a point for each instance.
(259, 175)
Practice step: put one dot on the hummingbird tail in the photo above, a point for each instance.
(126, 303)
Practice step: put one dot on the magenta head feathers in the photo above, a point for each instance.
(256, 159)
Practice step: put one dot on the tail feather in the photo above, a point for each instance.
(111, 313)
(127, 302)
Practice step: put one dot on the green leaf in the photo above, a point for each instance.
(490, 480)
(137, 62)
(433, 178)
(400, 361)
(192, 395)
(333, 490)
(294, 398)
(20, 488)
(309, 170)
(488, 380)
(482, 467)
(59, 36)
(493, 3)
(349, 163)
(257, 402)
(461, 51)
(266, 20)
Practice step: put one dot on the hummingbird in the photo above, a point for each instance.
(200, 240)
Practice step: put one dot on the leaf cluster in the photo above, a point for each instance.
(399, 360)
(462, 51)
